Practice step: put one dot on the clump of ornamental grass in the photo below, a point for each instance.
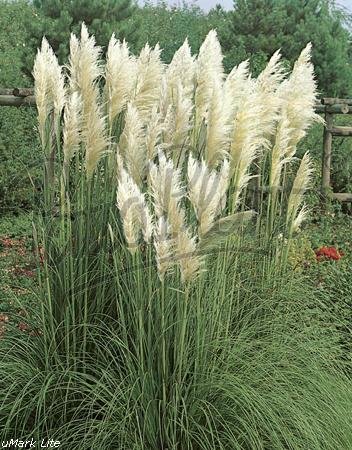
(157, 327)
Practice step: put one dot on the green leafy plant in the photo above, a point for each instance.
(166, 314)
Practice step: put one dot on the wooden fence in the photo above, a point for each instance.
(327, 106)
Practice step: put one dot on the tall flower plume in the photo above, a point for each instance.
(134, 211)
(187, 142)
(298, 94)
(72, 126)
(120, 76)
(146, 92)
(85, 69)
(300, 185)
(209, 71)
(207, 189)
(132, 144)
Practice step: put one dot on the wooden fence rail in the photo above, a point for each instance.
(17, 97)
(327, 106)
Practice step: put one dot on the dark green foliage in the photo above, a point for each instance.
(19, 167)
(170, 26)
(19, 159)
(14, 45)
(256, 28)
(58, 18)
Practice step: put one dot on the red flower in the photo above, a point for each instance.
(23, 326)
(325, 253)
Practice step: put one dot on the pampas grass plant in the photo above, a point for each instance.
(165, 323)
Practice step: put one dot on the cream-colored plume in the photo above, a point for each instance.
(57, 86)
(186, 254)
(85, 69)
(42, 87)
(300, 185)
(146, 92)
(164, 247)
(167, 192)
(132, 144)
(206, 191)
(153, 133)
(266, 87)
(236, 86)
(49, 86)
(182, 69)
(247, 142)
(72, 126)
(94, 137)
(209, 71)
(272, 75)
(281, 152)
(186, 112)
(120, 74)
(177, 124)
(298, 94)
(218, 127)
(135, 214)
(300, 218)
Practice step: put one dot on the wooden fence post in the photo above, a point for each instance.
(326, 160)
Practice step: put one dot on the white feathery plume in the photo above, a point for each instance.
(74, 57)
(241, 170)
(182, 121)
(72, 126)
(118, 162)
(177, 124)
(300, 218)
(153, 133)
(94, 137)
(127, 203)
(168, 126)
(120, 73)
(247, 141)
(186, 253)
(147, 86)
(272, 75)
(182, 124)
(209, 70)
(266, 86)
(89, 63)
(132, 144)
(167, 191)
(206, 191)
(300, 185)
(281, 153)
(146, 222)
(224, 181)
(164, 247)
(134, 211)
(218, 127)
(182, 68)
(49, 82)
(246, 129)
(42, 87)
(166, 97)
(298, 95)
(85, 68)
(57, 85)
(236, 86)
